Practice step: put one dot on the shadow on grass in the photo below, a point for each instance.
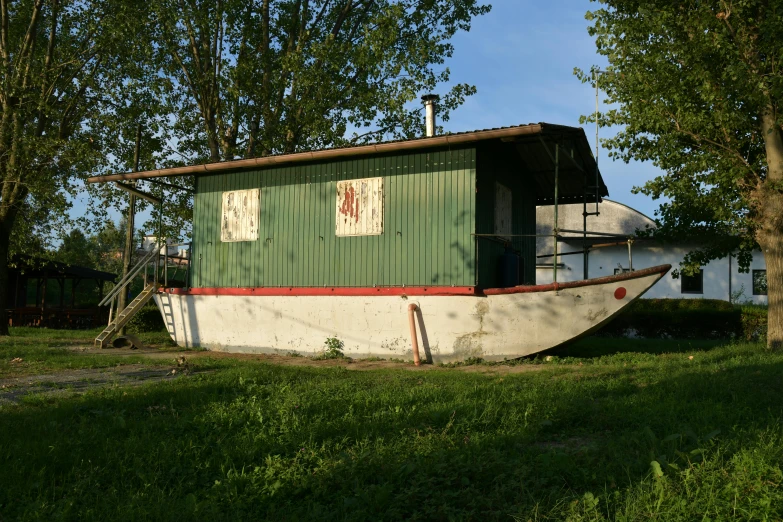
(594, 346)
(270, 442)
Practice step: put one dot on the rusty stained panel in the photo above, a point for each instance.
(503, 210)
(239, 216)
(359, 207)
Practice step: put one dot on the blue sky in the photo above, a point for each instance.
(521, 58)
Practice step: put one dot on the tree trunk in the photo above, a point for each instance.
(769, 234)
(5, 241)
(772, 245)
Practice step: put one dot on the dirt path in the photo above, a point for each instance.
(80, 381)
(287, 360)
(76, 381)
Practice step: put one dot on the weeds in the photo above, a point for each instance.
(333, 350)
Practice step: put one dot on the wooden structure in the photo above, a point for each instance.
(370, 243)
(55, 295)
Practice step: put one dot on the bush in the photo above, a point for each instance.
(146, 320)
(690, 319)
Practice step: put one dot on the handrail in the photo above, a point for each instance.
(131, 274)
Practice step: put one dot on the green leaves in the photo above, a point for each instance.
(691, 82)
(276, 76)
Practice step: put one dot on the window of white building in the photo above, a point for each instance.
(759, 282)
(692, 284)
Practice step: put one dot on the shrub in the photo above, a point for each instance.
(333, 350)
(690, 319)
(148, 319)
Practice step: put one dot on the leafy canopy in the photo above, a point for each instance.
(691, 83)
(258, 77)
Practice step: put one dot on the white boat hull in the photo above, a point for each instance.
(494, 325)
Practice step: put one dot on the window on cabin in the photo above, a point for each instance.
(503, 210)
(240, 215)
(759, 282)
(359, 207)
(621, 270)
(692, 284)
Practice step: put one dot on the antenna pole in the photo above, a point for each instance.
(596, 72)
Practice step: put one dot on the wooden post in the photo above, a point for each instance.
(128, 255)
(74, 284)
(43, 296)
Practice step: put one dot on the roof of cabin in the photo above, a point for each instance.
(534, 142)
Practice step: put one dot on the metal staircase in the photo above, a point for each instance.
(158, 278)
(122, 318)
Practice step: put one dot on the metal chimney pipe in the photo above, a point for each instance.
(430, 101)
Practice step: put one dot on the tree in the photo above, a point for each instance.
(258, 77)
(101, 250)
(696, 86)
(59, 58)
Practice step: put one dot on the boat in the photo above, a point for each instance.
(451, 324)
(385, 248)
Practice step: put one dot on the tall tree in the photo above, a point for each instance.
(59, 59)
(259, 77)
(696, 86)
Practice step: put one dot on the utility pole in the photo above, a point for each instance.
(128, 254)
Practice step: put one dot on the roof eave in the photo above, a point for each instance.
(330, 154)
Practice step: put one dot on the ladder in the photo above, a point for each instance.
(124, 316)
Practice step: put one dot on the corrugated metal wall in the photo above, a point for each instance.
(429, 216)
(499, 163)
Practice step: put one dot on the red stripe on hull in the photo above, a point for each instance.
(317, 291)
(418, 290)
(661, 270)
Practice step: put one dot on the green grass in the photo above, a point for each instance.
(44, 350)
(644, 434)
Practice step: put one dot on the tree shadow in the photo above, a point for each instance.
(598, 346)
(309, 443)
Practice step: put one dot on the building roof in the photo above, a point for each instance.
(32, 266)
(534, 142)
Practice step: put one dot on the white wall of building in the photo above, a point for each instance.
(721, 277)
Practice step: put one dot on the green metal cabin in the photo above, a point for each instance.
(442, 210)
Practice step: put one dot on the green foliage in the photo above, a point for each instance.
(254, 78)
(565, 442)
(690, 319)
(146, 320)
(333, 350)
(694, 88)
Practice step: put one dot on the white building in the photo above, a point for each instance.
(173, 249)
(720, 279)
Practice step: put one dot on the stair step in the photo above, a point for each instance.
(125, 315)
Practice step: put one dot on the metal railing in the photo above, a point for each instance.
(160, 273)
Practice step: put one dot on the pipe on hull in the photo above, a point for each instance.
(494, 325)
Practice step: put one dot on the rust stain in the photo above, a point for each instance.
(350, 205)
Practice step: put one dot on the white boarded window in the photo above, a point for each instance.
(359, 207)
(503, 210)
(240, 215)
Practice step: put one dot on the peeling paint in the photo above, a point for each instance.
(359, 207)
(239, 217)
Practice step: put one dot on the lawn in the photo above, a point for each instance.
(608, 430)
